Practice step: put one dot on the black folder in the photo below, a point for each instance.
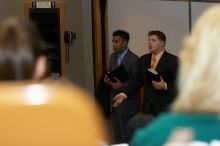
(152, 75)
(119, 73)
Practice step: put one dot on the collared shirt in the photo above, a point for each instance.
(121, 56)
(158, 56)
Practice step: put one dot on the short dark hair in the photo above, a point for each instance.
(123, 34)
(161, 36)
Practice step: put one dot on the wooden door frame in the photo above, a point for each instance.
(60, 5)
(100, 51)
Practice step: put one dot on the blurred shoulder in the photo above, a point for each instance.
(133, 54)
(171, 56)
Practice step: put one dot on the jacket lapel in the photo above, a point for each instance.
(162, 62)
(148, 60)
(125, 59)
(115, 61)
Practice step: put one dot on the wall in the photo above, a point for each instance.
(140, 16)
(136, 16)
(78, 20)
(198, 8)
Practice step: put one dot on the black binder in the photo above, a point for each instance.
(152, 75)
(120, 73)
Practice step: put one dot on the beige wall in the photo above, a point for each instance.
(78, 20)
(140, 16)
(137, 17)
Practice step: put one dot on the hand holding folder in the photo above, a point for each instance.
(119, 73)
(152, 75)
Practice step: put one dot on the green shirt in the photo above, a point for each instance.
(205, 126)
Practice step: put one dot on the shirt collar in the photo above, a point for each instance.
(122, 55)
(158, 56)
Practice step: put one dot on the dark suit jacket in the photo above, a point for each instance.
(155, 101)
(129, 61)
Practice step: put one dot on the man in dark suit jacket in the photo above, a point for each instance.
(122, 55)
(157, 95)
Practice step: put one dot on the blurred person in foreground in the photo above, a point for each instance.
(22, 51)
(194, 116)
(135, 123)
(43, 113)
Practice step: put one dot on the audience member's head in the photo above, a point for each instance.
(21, 51)
(199, 78)
(136, 122)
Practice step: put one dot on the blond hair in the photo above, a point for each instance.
(199, 79)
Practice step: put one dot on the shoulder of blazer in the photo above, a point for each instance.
(113, 56)
(145, 57)
(171, 57)
(145, 60)
(130, 53)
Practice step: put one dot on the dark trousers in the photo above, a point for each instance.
(154, 108)
(119, 122)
